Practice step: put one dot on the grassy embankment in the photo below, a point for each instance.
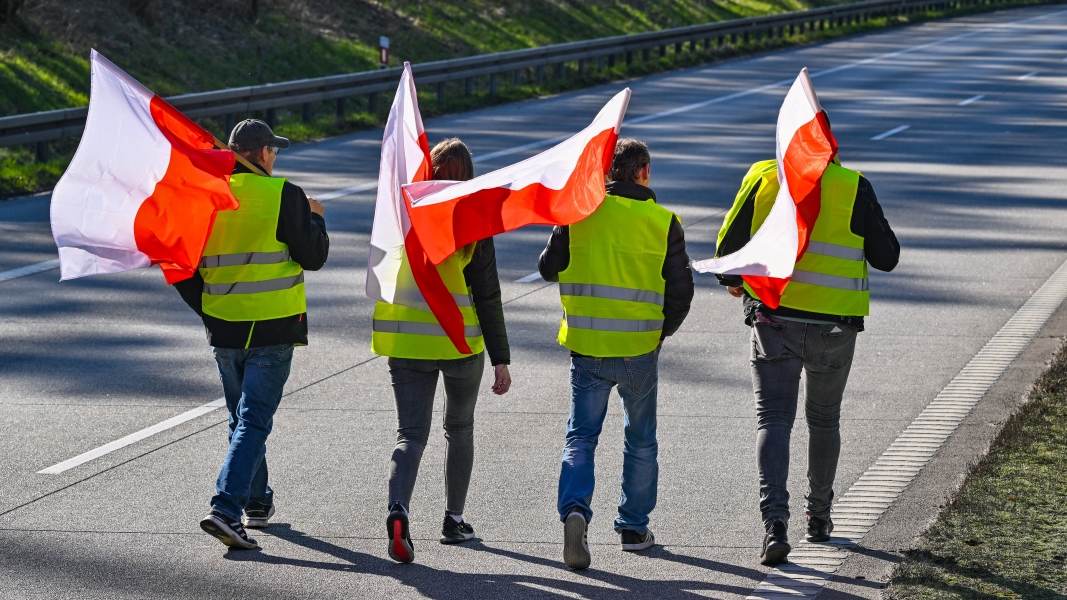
(1004, 535)
(178, 46)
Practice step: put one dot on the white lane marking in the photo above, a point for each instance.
(894, 131)
(133, 438)
(529, 278)
(348, 191)
(971, 100)
(1027, 76)
(41, 267)
(810, 565)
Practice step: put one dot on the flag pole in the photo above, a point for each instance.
(244, 161)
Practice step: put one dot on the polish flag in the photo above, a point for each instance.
(559, 186)
(406, 159)
(143, 187)
(805, 146)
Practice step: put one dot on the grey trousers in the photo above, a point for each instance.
(414, 387)
(782, 351)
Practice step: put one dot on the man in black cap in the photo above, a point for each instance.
(249, 291)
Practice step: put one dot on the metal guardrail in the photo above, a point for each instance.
(41, 127)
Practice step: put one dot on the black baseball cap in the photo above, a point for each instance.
(252, 134)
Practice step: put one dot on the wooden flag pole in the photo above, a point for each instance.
(244, 161)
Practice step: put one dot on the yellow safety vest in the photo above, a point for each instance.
(248, 275)
(831, 278)
(408, 329)
(612, 289)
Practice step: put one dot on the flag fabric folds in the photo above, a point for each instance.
(804, 148)
(143, 187)
(406, 159)
(559, 186)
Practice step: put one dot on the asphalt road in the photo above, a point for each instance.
(975, 194)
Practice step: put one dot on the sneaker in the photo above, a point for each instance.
(227, 531)
(256, 515)
(400, 547)
(819, 529)
(455, 533)
(775, 544)
(575, 541)
(633, 541)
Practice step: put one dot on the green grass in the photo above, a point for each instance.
(187, 50)
(1004, 535)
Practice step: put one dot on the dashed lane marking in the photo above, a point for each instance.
(40, 267)
(971, 100)
(108, 448)
(894, 131)
(530, 278)
(810, 565)
(1027, 76)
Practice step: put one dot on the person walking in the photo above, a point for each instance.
(249, 292)
(420, 353)
(812, 333)
(625, 285)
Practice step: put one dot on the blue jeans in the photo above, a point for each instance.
(591, 383)
(252, 381)
(782, 351)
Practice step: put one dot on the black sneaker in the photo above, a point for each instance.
(227, 531)
(455, 533)
(819, 529)
(775, 544)
(633, 541)
(400, 547)
(575, 543)
(256, 515)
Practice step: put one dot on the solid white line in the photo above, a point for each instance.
(1027, 76)
(41, 267)
(133, 437)
(347, 191)
(894, 131)
(971, 100)
(529, 278)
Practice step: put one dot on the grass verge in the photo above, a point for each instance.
(20, 173)
(1004, 535)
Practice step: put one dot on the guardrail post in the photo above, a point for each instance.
(721, 41)
(561, 70)
(340, 108)
(746, 37)
(271, 117)
(707, 43)
(518, 77)
(492, 84)
(540, 73)
(611, 61)
(678, 48)
(468, 86)
(599, 64)
(372, 102)
(662, 51)
(440, 93)
(305, 112)
(581, 67)
(629, 57)
(645, 54)
(692, 45)
(42, 151)
(231, 121)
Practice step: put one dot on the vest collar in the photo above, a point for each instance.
(628, 189)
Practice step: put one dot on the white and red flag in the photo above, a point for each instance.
(805, 146)
(143, 187)
(559, 186)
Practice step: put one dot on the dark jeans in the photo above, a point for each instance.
(414, 386)
(781, 351)
(591, 383)
(252, 381)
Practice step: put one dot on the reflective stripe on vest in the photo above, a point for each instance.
(415, 328)
(612, 289)
(845, 252)
(627, 325)
(609, 291)
(244, 258)
(409, 297)
(830, 281)
(253, 287)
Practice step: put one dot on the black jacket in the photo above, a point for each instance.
(880, 248)
(678, 294)
(305, 234)
(481, 275)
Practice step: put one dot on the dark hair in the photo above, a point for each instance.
(452, 160)
(631, 155)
